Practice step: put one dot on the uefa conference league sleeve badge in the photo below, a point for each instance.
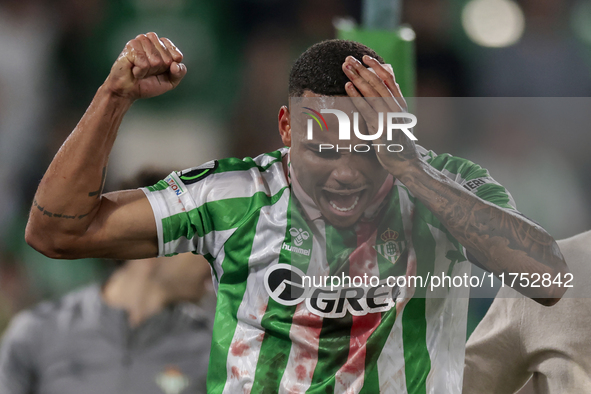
(195, 174)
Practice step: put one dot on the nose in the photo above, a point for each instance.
(345, 171)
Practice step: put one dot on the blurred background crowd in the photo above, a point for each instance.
(55, 53)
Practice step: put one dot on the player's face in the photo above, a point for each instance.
(341, 183)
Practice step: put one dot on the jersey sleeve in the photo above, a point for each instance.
(471, 177)
(495, 359)
(197, 209)
(17, 367)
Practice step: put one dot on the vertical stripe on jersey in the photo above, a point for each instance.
(444, 309)
(303, 356)
(277, 319)
(414, 322)
(230, 292)
(245, 350)
(416, 355)
(363, 260)
(280, 320)
(390, 365)
(231, 289)
(435, 307)
(306, 327)
(333, 347)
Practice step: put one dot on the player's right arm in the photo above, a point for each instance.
(70, 217)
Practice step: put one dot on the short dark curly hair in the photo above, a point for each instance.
(319, 68)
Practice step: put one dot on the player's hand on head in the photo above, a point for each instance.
(148, 66)
(379, 84)
(377, 92)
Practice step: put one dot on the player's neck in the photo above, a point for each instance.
(134, 289)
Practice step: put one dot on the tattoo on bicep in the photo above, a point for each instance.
(98, 192)
(57, 215)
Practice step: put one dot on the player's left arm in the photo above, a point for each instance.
(501, 240)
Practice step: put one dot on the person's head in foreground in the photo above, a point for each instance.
(342, 184)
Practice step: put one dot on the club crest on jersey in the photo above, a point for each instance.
(195, 174)
(391, 249)
(172, 380)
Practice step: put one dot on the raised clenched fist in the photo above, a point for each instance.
(148, 66)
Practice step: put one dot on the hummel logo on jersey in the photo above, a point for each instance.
(299, 236)
(295, 249)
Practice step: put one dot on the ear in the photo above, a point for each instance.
(285, 126)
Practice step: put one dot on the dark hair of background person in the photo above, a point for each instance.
(319, 68)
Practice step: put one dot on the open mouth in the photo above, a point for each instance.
(344, 201)
(341, 208)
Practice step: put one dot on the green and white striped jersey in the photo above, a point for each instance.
(243, 217)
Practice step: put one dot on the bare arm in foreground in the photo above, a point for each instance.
(70, 217)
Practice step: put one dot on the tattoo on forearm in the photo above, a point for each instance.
(62, 215)
(98, 192)
(482, 228)
(57, 215)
